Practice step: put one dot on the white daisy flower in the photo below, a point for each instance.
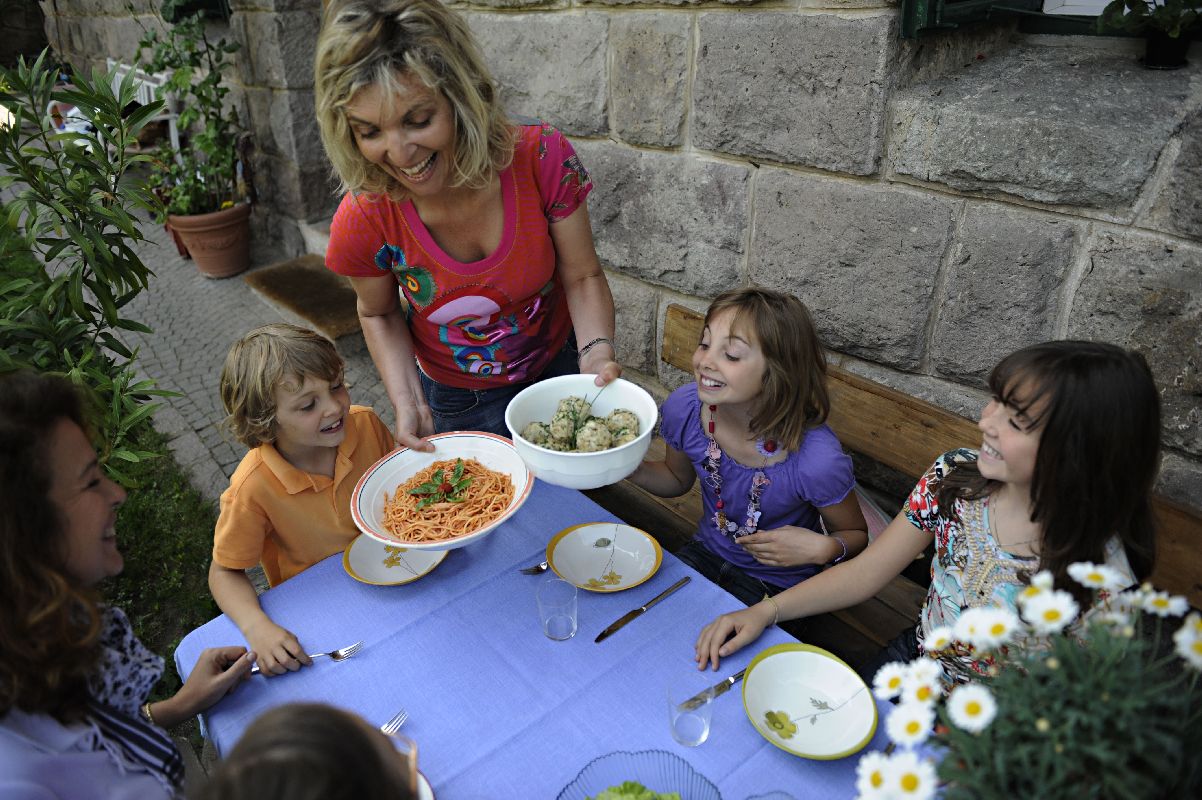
(1095, 576)
(887, 683)
(968, 624)
(1040, 582)
(1188, 639)
(1191, 651)
(910, 776)
(940, 638)
(871, 773)
(1050, 612)
(1164, 605)
(972, 707)
(921, 683)
(910, 723)
(987, 628)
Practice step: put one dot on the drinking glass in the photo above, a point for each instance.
(690, 708)
(557, 608)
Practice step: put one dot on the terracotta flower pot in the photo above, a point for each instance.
(219, 242)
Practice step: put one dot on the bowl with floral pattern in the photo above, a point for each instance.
(604, 556)
(808, 702)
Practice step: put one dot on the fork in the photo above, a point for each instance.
(535, 570)
(393, 725)
(335, 655)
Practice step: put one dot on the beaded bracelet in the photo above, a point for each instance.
(842, 555)
(582, 352)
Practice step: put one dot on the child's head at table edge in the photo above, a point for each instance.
(313, 751)
(265, 360)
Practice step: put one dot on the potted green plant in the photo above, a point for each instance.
(1166, 25)
(201, 187)
(1107, 705)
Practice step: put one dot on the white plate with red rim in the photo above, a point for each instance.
(369, 561)
(494, 452)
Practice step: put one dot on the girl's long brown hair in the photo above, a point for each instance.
(1098, 412)
(50, 626)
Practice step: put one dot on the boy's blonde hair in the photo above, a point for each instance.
(267, 357)
(793, 398)
(366, 43)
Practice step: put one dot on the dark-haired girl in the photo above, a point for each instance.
(1064, 473)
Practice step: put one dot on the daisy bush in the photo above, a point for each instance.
(1105, 705)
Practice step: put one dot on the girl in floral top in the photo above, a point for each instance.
(1064, 473)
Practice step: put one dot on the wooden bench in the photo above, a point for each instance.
(902, 433)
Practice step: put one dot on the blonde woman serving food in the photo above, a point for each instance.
(482, 223)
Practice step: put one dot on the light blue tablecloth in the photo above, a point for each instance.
(497, 709)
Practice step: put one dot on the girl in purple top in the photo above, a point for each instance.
(751, 429)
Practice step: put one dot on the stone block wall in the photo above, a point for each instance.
(937, 203)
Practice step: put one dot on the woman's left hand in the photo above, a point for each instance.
(789, 546)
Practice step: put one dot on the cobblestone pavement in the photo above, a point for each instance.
(195, 320)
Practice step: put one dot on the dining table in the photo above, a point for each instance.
(498, 709)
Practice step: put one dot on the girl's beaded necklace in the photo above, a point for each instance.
(759, 482)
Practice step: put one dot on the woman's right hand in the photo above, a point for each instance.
(731, 632)
(412, 423)
(278, 649)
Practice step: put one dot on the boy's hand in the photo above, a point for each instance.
(278, 649)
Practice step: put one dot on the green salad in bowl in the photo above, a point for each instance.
(639, 775)
(632, 790)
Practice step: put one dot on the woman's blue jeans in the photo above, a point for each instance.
(456, 409)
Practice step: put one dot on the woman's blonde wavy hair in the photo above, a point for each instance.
(366, 43)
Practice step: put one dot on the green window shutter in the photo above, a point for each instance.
(924, 16)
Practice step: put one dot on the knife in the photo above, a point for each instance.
(629, 615)
(712, 693)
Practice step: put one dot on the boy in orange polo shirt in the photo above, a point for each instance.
(288, 505)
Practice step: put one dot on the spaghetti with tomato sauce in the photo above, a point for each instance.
(482, 501)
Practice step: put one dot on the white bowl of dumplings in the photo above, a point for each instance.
(573, 433)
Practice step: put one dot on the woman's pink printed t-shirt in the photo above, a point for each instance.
(492, 322)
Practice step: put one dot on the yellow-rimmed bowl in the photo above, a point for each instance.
(808, 702)
(369, 561)
(604, 556)
(495, 452)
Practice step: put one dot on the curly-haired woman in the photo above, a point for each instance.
(74, 680)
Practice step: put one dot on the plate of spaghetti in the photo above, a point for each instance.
(470, 484)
